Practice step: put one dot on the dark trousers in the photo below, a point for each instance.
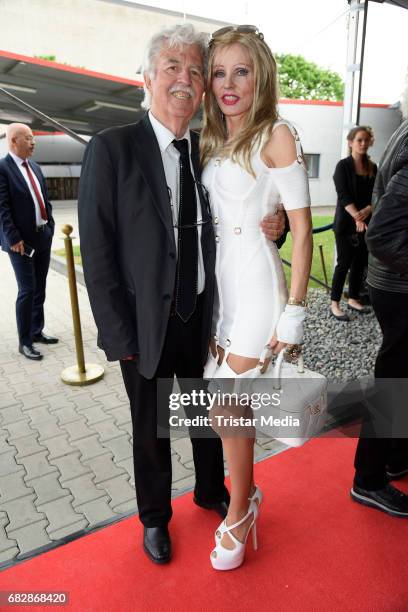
(31, 275)
(351, 256)
(374, 455)
(151, 454)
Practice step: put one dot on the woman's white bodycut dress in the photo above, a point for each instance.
(251, 287)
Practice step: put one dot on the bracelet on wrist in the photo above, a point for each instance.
(292, 301)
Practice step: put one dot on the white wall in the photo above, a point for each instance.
(320, 129)
(60, 154)
(91, 34)
(58, 148)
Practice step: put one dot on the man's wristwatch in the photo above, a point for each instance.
(292, 301)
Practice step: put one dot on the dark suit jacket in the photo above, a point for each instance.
(345, 181)
(127, 244)
(17, 210)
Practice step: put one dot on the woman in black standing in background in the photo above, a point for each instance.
(354, 181)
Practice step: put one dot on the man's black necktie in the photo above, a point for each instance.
(186, 279)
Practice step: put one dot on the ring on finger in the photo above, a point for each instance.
(293, 351)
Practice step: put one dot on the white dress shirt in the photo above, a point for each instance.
(170, 157)
(19, 162)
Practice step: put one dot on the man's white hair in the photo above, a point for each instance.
(173, 37)
(404, 99)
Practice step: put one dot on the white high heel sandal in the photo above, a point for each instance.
(225, 559)
(257, 497)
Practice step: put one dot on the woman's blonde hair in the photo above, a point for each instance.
(261, 116)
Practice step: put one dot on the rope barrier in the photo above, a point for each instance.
(323, 228)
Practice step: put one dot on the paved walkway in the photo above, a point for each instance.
(65, 452)
(65, 211)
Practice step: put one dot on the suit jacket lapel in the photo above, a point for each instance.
(195, 159)
(195, 156)
(17, 174)
(151, 164)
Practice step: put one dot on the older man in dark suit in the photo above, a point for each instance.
(26, 223)
(148, 253)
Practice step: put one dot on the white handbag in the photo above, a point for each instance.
(302, 409)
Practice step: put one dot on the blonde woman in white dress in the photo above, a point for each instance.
(252, 162)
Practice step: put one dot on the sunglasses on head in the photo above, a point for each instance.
(242, 29)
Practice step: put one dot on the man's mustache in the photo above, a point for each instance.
(187, 90)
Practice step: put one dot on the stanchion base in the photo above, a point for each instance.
(72, 376)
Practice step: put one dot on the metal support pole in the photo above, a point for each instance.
(356, 26)
(323, 267)
(362, 50)
(83, 373)
(357, 20)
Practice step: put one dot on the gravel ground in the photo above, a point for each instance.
(342, 351)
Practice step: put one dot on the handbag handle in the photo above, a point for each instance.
(277, 369)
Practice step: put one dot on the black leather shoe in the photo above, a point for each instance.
(157, 544)
(343, 317)
(389, 500)
(45, 339)
(30, 352)
(362, 310)
(220, 508)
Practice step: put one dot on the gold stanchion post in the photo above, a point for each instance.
(83, 373)
(324, 267)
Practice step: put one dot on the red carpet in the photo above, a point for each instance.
(318, 551)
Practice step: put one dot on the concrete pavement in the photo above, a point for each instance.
(65, 211)
(65, 452)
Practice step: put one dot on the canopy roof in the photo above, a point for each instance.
(82, 100)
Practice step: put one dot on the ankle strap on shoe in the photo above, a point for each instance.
(252, 509)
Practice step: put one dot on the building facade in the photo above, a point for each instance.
(109, 36)
(320, 128)
(319, 125)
